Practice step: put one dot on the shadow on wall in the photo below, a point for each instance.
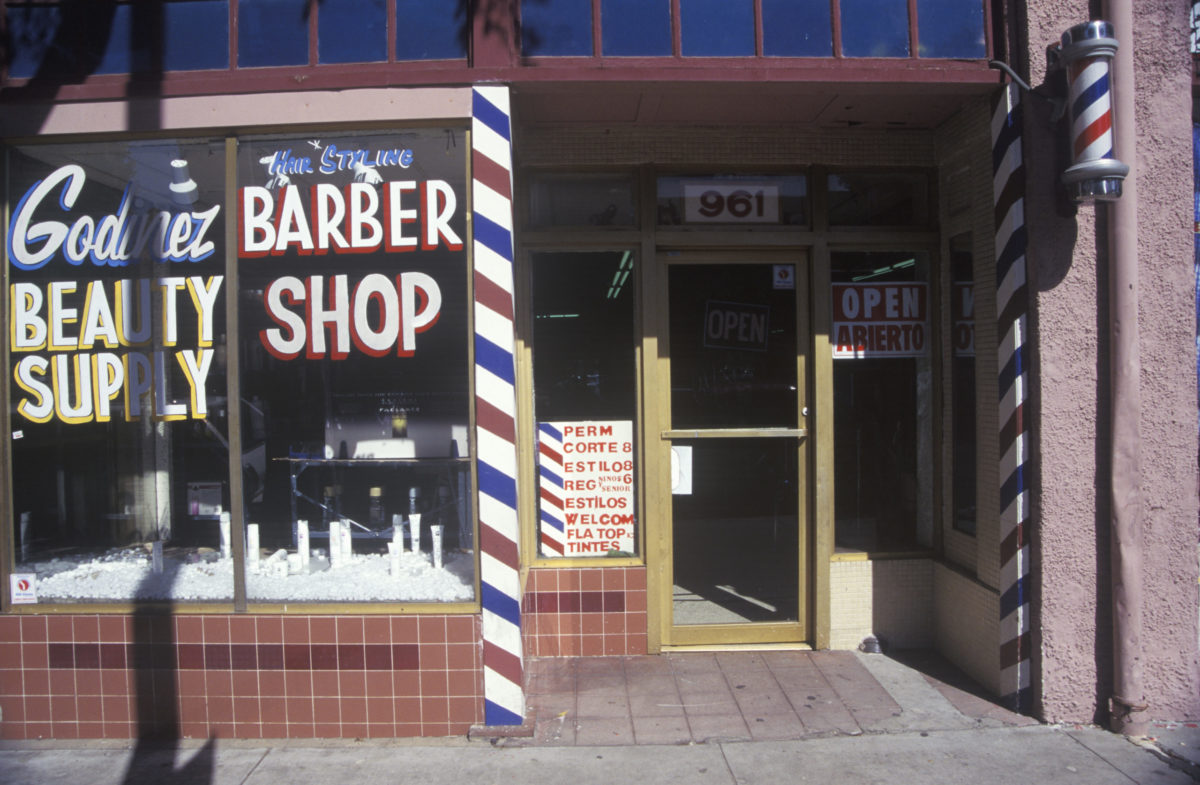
(156, 699)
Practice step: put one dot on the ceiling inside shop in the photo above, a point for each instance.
(842, 105)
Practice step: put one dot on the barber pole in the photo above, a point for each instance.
(495, 406)
(1008, 186)
(1087, 51)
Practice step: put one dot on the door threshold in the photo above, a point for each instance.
(701, 647)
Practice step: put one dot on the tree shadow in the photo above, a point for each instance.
(156, 698)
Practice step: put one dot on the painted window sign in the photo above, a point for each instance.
(586, 487)
(364, 197)
(115, 287)
(880, 320)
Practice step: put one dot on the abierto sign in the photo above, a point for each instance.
(880, 320)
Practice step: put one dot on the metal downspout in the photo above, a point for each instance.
(1127, 707)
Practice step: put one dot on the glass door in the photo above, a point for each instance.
(737, 345)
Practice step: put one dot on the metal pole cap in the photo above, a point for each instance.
(1090, 39)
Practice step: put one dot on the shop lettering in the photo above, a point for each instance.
(879, 320)
(876, 302)
(355, 219)
(113, 240)
(335, 160)
(894, 339)
(67, 381)
(376, 316)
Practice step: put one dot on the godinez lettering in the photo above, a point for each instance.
(114, 240)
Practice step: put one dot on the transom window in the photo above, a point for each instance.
(749, 28)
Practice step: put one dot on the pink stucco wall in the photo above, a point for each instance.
(1073, 629)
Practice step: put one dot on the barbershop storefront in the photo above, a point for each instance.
(319, 430)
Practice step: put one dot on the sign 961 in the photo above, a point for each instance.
(719, 202)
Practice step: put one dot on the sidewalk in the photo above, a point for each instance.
(744, 718)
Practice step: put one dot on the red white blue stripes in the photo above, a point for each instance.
(1091, 110)
(1008, 185)
(495, 405)
(551, 518)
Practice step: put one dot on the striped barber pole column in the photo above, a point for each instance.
(496, 406)
(1015, 470)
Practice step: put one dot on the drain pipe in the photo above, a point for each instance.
(1127, 703)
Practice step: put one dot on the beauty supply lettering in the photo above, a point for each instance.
(339, 202)
(86, 351)
(880, 320)
(587, 487)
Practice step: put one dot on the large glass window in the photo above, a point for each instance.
(355, 370)
(585, 404)
(883, 401)
(117, 371)
(962, 363)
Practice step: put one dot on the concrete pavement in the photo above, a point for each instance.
(854, 718)
(981, 756)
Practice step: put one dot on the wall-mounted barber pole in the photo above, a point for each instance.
(1086, 52)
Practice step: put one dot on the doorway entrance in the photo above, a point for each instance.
(737, 348)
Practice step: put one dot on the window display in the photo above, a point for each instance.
(353, 300)
(883, 401)
(117, 362)
(585, 402)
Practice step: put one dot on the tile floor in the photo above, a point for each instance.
(682, 698)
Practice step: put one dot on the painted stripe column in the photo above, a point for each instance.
(1013, 361)
(496, 406)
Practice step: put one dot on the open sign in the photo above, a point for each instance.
(735, 326)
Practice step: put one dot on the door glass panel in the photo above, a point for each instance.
(733, 346)
(735, 532)
(735, 508)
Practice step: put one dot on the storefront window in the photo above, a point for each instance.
(878, 199)
(962, 332)
(355, 370)
(116, 260)
(883, 401)
(557, 200)
(585, 401)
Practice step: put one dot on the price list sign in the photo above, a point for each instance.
(586, 487)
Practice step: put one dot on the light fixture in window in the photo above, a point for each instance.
(884, 270)
(620, 276)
